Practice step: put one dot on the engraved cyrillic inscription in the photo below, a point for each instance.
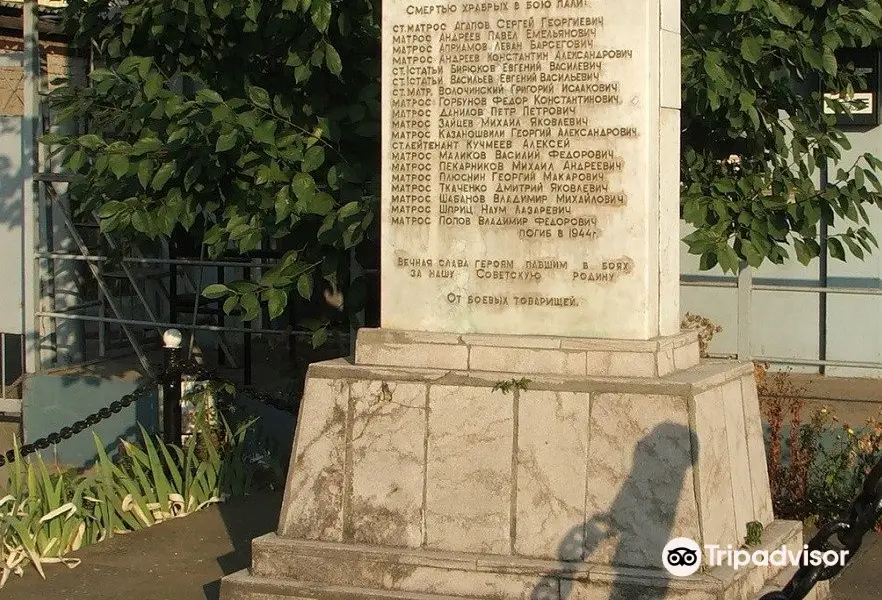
(512, 126)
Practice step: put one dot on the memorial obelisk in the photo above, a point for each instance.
(529, 421)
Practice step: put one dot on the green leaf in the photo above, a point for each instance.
(319, 337)
(313, 159)
(303, 186)
(304, 286)
(230, 304)
(321, 14)
(163, 174)
(251, 305)
(141, 222)
(277, 300)
(191, 176)
(779, 13)
(216, 290)
(282, 109)
(836, 249)
(145, 145)
(259, 96)
(343, 24)
(803, 254)
(301, 73)
(119, 165)
(111, 209)
(153, 85)
(751, 49)
(76, 160)
(348, 210)
(226, 141)
(829, 62)
(210, 96)
(332, 60)
(282, 204)
(265, 132)
(713, 69)
(90, 141)
(320, 204)
(853, 247)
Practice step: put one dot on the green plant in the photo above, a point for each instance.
(511, 384)
(247, 124)
(844, 457)
(754, 534)
(816, 468)
(50, 514)
(755, 131)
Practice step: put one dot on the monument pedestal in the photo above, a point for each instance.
(412, 477)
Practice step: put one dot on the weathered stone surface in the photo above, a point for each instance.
(290, 568)
(529, 355)
(527, 360)
(586, 590)
(739, 462)
(387, 447)
(715, 493)
(622, 364)
(469, 470)
(551, 459)
(589, 266)
(756, 451)
(313, 504)
(640, 491)
(420, 355)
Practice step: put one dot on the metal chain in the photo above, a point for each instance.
(78, 426)
(188, 367)
(849, 531)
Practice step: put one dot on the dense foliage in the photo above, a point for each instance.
(241, 122)
(755, 132)
(255, 120)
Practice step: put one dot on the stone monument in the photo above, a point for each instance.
(529, 422)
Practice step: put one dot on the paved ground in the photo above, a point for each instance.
(185, 559)
(182, 559)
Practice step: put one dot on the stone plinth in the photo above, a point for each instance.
(285, 568)
(522, 354)
(427, 483)
(436, 459)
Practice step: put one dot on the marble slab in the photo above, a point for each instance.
(469, 470)
(526, 168)
(387, 446)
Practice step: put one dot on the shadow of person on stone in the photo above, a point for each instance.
(640, 521)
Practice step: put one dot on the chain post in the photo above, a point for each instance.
(171, 386)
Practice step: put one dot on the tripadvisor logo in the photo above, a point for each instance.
(682, 557)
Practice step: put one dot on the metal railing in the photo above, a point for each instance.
(744, 285)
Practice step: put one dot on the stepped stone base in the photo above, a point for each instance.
(409, 482)
(285, 568)
(527, 354)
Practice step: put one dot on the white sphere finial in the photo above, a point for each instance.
(172, 338)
